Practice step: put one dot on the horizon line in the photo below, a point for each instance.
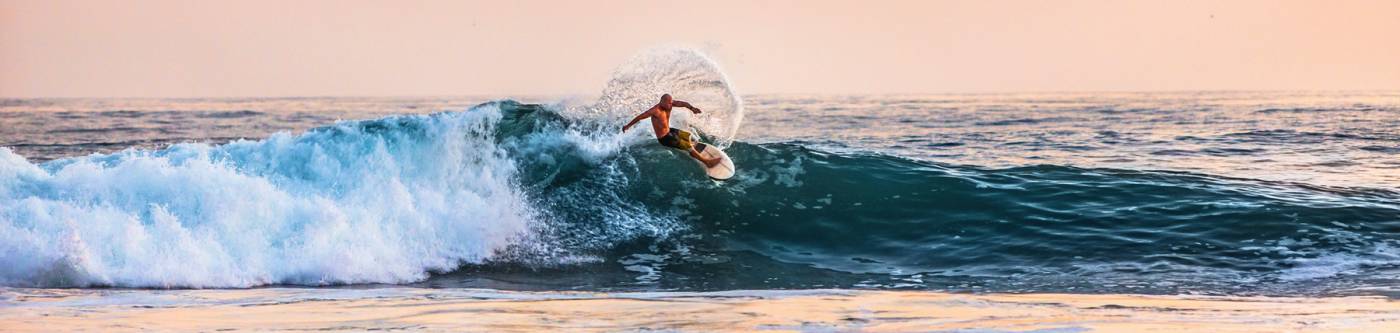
(566, 95)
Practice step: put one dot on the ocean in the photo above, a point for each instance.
(1218, 193)
(1171, 193)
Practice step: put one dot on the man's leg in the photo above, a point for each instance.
(709, 163)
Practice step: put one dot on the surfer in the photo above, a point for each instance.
(660, 115)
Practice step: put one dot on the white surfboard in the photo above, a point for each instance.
(722, 171)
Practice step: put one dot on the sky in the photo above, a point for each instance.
(157, 48)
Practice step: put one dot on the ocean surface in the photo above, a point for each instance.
(1231, 193)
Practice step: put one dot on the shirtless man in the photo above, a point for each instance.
(660, 115)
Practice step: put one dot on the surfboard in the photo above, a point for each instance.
(722, 171)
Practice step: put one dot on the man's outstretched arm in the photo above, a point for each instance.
(686, 105)
(639, 117)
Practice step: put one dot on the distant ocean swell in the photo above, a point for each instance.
(525, 188)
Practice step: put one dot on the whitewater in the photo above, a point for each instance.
(1235, 193)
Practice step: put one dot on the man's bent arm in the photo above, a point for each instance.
(639, 117)
(686, 105)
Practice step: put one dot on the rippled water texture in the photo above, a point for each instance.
(1338, 139)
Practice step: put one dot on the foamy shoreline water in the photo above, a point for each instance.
(419, 309)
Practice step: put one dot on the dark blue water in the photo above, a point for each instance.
(1221, 193)
(800, 217)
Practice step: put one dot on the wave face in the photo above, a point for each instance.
(898, 223)
(509, 195)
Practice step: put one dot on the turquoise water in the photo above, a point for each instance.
(1215, 193)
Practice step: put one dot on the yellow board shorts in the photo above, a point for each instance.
(677, 139)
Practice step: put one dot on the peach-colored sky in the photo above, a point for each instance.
(301, 48)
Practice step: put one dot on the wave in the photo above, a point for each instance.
(525, 192)
(376, 201)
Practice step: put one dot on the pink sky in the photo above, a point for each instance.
(347, 48)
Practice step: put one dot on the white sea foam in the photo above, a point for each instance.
(385, 201)
(1332, 264)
